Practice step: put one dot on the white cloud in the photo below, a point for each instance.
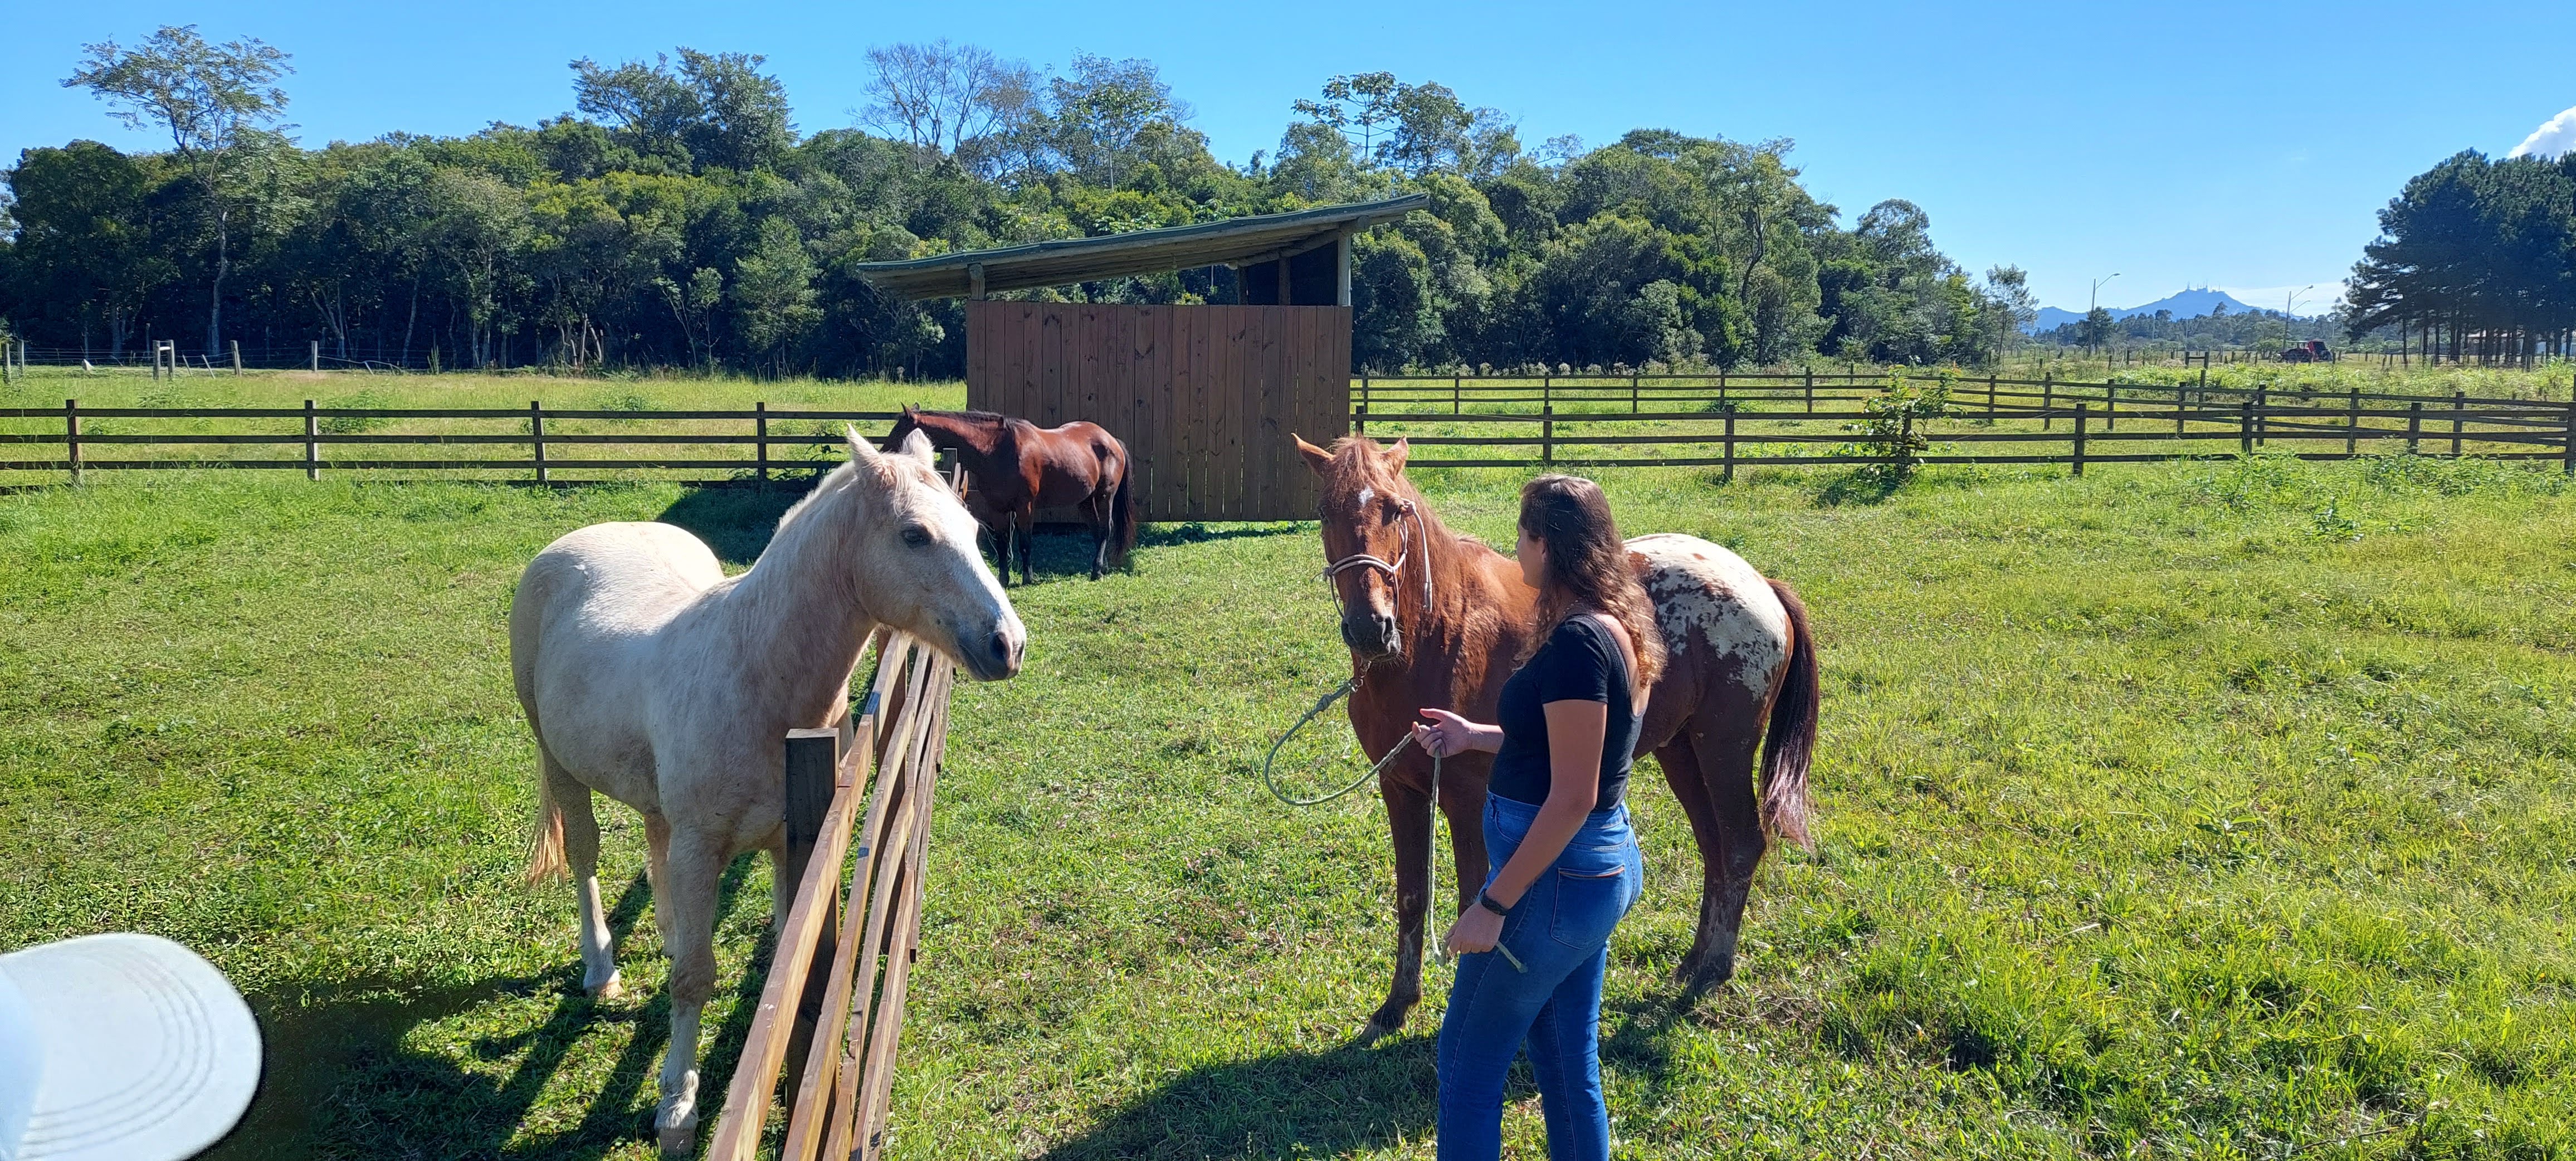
(2554, 137)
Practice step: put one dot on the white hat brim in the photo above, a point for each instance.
(149, 1053)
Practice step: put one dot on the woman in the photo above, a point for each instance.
(1563, 865)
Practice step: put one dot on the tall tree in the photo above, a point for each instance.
(947, 96)
(212, 99)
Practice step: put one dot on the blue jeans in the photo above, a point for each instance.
(1560, 930)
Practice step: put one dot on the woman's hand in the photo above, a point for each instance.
(1476, 930)
(1448, 735)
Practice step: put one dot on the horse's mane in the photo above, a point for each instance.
(1356, 457)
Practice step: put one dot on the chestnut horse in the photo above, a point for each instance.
(1433, 618)
(1014, 467)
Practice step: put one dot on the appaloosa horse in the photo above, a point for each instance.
(1015, 467)
(1433, 618)
(650, 676)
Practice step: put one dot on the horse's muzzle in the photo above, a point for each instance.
(1371, 635)
(994, 658)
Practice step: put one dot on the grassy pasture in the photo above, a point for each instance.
(2212, 810)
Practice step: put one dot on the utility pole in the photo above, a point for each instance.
(2093, 301)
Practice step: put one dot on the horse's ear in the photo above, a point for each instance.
(1317, 459)
(916, 444)
(1395, 456)
(859, 449)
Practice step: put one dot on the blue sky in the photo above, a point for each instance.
(2241, 146)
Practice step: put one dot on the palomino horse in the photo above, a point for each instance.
(1015, 467)
(650, 676)
(1433, 618)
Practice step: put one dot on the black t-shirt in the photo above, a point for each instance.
(1581, 661)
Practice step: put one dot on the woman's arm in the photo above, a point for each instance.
(1575, 732)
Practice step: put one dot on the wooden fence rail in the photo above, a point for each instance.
(1723, 420)
(831, 1009)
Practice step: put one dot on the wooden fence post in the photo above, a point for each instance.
(2568, 443)
(2414, 426)
(1632, 393)
(1547, 432)
(2459, 400)
(2262, 416)
(2245, 428)
(317, 355)
(1364, 392)
(2110, 407)
(1454, 392)
(1811, 391)
(537, 437)
(2179, 403)
(236, 346)
(1730, 447)
(813, 769)
(312, 443)
(1990, 397)
(760, 441)
(71, 437)
(2079, 439)
(1359, 418)
(2047, 397)
(2352, 423)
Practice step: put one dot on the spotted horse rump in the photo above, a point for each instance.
(1711, 604)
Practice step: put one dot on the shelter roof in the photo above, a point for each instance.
(1234, 242)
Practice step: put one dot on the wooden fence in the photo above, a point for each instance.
(1799, 419)
(1727, 421)
(831, 1010)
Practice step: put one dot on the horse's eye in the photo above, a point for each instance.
(916, 536)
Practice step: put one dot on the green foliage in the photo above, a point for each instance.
(1893, 431)
(676, 219)
(2481, 253)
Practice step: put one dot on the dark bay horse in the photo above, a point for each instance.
(1015, 467)
(1433, 618)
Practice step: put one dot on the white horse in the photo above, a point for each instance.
(650, 676)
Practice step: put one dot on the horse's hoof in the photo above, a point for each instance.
(1388, 1020)
(675, 1124)
(608, 989)
(1698, 976)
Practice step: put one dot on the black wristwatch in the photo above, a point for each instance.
(1492, 904)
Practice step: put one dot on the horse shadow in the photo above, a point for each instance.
(1296, 1104)
(1350, 1098)
(338, 1079)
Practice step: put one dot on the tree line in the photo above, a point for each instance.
(677, 217)
(2476, 261)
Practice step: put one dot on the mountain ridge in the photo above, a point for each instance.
(2186, 303)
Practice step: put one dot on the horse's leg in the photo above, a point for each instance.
(581, 852)
(1464, 804)
(1408, 816)
(657, 856)
(1095, 511)
(688, 914)
(1712, 775)
(1025, 521)
(785, 875)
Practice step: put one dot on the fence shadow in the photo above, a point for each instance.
(1295, 1104)
(337, 1078)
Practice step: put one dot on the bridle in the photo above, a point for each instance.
(1394, 569)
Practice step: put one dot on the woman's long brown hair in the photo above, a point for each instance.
(1587, 567)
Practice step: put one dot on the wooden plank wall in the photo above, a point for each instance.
(1204, 397)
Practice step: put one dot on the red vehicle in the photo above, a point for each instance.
(2311, 351)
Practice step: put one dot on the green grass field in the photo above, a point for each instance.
(2214, 810)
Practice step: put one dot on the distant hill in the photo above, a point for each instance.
(2183, 304)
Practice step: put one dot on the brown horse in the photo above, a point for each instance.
(1433, 618)
(1015, 467)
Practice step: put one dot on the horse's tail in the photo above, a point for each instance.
(546, 846)
(1122, 509)
(1791, 745)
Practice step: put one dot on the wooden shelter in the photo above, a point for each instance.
(1204, 396)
